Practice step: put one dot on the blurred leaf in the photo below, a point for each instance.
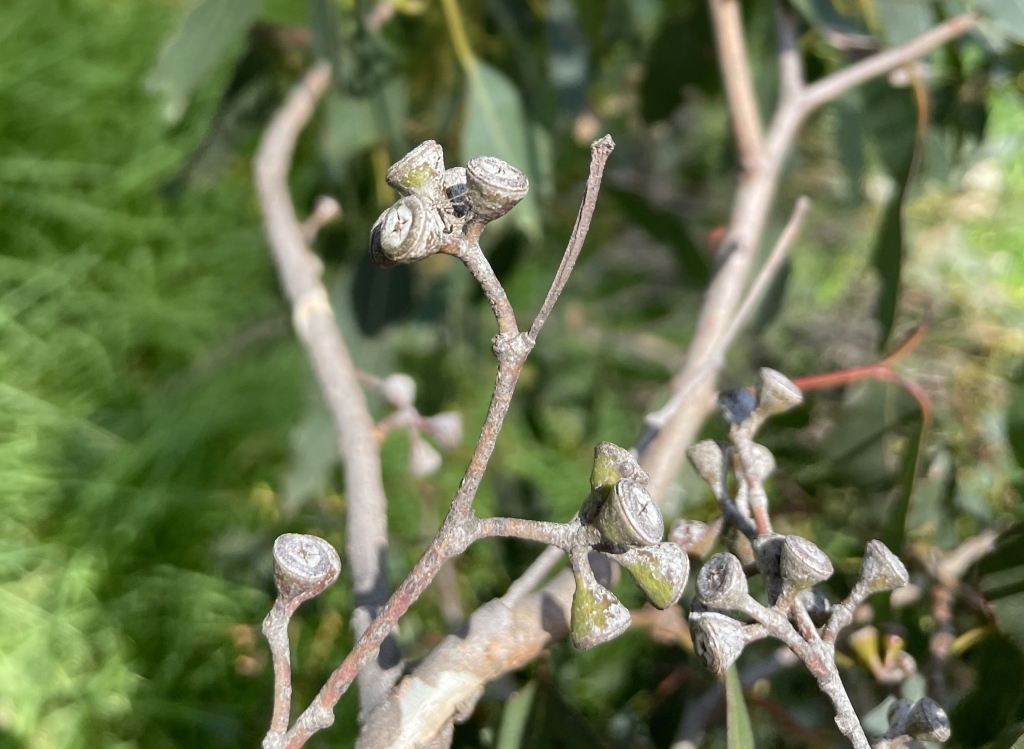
(496, 125)
(353, 124)
(896, 527)
(669, 229)
(209, 31)
(555, 724)
(1015, 420)
(514, 718)
(683, 54)
(1007, 14)
(1001, 580)
(324, 21)
(999, 688)
(887, 257)
(903, 20)
(850, 142)
(739, 733)
(568, 59)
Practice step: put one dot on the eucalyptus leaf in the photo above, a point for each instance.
(210, 30)
(738, 731)
(352, 124)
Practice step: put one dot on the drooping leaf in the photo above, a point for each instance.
(496, 125)
(682, 54)
(568, 58)
(353, 123)
(999, 689)
(515, 717)
(896, 527)
(1008, 16)
(668, 228)
(738, 731)
(900, 21)
(209, 31)
(1001, 579)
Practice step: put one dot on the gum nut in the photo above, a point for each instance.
(768, 556)
(597, 616)
(494, 187)
(456, 191)
(777, 393)
(304, 565)
(926, 721)
(406, 232)
(659, 571)
(424, 460)
(736, 404)
(709, 461)
(446, 428)
(717, 639)
(399, 390)
(803, 564)
(419, 172)
(630, 517)
(818, 607)
(762, 463)
(881, 569)
(721, 583)
(898, 712)
(612, 464)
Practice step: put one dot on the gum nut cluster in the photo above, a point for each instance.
(436, 203)
(630, 529)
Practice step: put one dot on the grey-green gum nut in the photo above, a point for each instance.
(776, 393)
(803, 564)
(494, 187)
(419, 172)
(659, 571)
(881, 569)
(721, 583)
(630, 517)
(717, 639)
(612, 464)
(408, 231)
(768, 556)
(597, 616)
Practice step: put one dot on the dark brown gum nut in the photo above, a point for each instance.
(768, 557)
(419, 172)
(630, 517)
(408, 231)
(803, 564)
(776, 393)
(708, 460)
(456, 192)
(659, 571)
(721, 583)
(926, 721)
(717, 639)
(612, 464)
(818, 607)
(304, 566)
(881, 569)
(494, 186)
(596, 616)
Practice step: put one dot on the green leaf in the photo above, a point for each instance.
(496, 125)
(514, 719)
(209, 31)
(668, 228)
(1001, 580)
(352, 124)
(1008, 16)
(903, 20)
(739, 733)
(896, 528)
(979, 717)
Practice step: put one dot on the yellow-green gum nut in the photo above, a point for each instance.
(630, 517)
(420, 172)
(881, 569)
(611, 465)
(659, 571)
(597, 615)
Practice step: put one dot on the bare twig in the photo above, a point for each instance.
(299, 270)
(791, 64)
(739, 83)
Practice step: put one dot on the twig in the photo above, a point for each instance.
(753, 201)
(791, 64)
(739, 83)
(461, 527)
(299, 270)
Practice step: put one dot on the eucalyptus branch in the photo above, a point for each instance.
(314, 321)
(730, 40)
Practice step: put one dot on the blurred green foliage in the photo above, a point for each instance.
(160, 427)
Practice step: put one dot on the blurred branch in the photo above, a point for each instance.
(731, 44)
(754, 197)
(299, 270)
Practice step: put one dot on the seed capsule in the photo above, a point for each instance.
(419, 172)
(721, 583)
(612, 464)
(776, 393)
(803, 564)
(717, 639)
(659, 571)
(495, 187)
(597, 616)
(630, 517)
(709, 461)
(304, 566)
(926, 721)
(881, 569)
(406, 232)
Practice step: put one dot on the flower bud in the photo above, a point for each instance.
(597, 616)
(494, 186)
(803, 564)
(721, 583)
(717, 639)
(926, 721)
(629, 517)
(419, 172)
(611, 465)
(709, 461)
(408, 231)
(304, 566)
(659, 571)
(399, 390)
(776, 393)
(881, 569)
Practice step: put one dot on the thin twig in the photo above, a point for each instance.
(314, 321)
(791, 64)
(739, 83)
